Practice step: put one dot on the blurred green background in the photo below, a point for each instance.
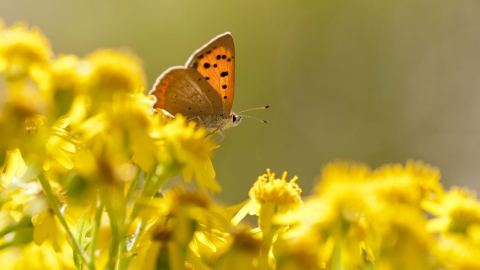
(377, 81)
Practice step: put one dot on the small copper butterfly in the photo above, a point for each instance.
(204, 88)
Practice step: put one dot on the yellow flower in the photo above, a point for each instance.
(23, 197)
(344, 194)
(399, 220)
(69, 78)
(456, 212)
(35, 257)
(183, 231)
(457, 253)
(243, 253)
(113, 72)
(119, 132)
(60, 146)
(184, 144)
(23, 52)
(69, 73)
(400, 232)
(457, 219)
(278, 191)
(23, 127)
(15, 167)
(302, 253)
(409, 184)
(47, 228)
(270, 196)
(338, 216)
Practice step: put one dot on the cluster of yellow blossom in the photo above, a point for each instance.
(84, 159)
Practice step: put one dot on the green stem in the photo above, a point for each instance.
(115, 233)
(153, 182)
(25, 222)
(125, 262)
(96, 229)
(267, 242)
(77, 248)
(133, 186)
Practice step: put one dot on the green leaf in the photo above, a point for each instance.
(84, 226)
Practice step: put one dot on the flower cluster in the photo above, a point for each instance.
(84, 161)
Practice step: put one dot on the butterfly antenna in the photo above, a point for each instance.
(258, 119)
(258, 108)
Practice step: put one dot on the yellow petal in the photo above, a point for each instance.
(59, 155)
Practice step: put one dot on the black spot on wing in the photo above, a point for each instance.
(206, 65)
(223, 74)
(224, 86)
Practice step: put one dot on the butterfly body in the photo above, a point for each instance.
(203, 89)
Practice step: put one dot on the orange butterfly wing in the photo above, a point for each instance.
(184, 90)
(215, 61)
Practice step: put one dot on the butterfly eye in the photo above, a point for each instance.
(234, 118)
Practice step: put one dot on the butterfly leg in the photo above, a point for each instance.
(198, 120)
(222, 134)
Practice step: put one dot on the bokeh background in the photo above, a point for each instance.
(377, 81)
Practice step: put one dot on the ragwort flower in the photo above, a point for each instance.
(24, 52)
(457, 220)
(185, 144)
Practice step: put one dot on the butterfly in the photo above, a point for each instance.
(203, 89)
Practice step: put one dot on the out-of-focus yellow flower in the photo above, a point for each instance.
(69, 73)
(69, 78)
(180, 233)
(15, 167)
(60, 146)
(338, 216)
(457, 253)
(115, 134)
(302, 253)
(21, 197)
(455, 212)
(457, 219)
(23, 53)
(114, 72)
(48, 229)
(399, 222)
(400, 232)
(409, 184)
(183, 143)
(23, 127)
(35, 257)
(25, 198)
(243, 253)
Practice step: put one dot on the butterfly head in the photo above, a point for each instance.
(233, 121)
(236, 119)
